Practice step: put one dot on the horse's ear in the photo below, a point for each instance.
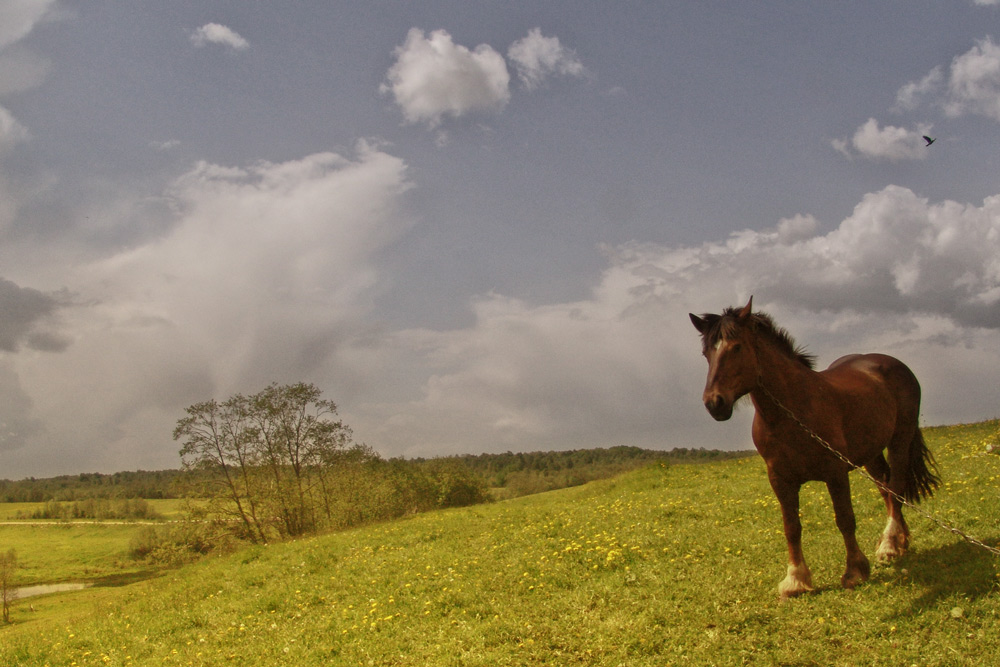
(746, 310)
(699, 324)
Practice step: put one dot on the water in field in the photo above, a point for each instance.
(42, 589)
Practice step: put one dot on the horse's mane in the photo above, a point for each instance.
(726, 326)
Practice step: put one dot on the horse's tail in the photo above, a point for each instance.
(921, 478)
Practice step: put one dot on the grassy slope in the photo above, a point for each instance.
(665, 566)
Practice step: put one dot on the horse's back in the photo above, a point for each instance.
(880, 368)
(877, 379)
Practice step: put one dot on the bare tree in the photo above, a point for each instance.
(270, 453)
(8, 592)
(298, 439)
(220, 444)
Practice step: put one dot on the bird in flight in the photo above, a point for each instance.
(929, 140)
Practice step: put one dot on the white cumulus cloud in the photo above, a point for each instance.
(11, 131)
(214, 33)
(19, 70)
(433, 77)
(19, 17)
(537, 57)
(885, 143)
(974, 82)
(912, 94)
(971, 85)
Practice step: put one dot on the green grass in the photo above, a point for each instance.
(668, 565)
(70, 552)
(57, 551)
(173, 509)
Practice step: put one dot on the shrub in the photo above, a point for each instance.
(106, 509)
(178, 543)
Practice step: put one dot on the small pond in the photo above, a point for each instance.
(42, 589)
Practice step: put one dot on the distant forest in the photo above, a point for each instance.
(507, 475)
(150, 485)
(510, 475)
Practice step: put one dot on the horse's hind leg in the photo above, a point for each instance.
(798, 579)
(896, 537)
(858, 568)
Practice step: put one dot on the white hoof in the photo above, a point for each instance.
(796, 582)
(893, 543)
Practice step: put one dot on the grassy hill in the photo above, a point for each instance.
(673, 564)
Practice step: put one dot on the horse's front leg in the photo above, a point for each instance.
(798, 580)
(858, 568)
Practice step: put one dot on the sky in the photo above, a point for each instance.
(480, 227)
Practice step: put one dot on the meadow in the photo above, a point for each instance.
(669, 565)
(52, 551)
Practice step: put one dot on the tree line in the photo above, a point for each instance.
(506, 474)
(151, 485)
(513, 474)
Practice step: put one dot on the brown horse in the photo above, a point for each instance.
(859, 406)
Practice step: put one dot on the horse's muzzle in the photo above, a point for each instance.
(718, 407)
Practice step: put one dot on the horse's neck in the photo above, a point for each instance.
(781, 379)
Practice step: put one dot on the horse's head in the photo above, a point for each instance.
(727, 344)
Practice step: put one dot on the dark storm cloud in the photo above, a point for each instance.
(25, 314)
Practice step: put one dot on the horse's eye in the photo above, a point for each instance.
(737, 347)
